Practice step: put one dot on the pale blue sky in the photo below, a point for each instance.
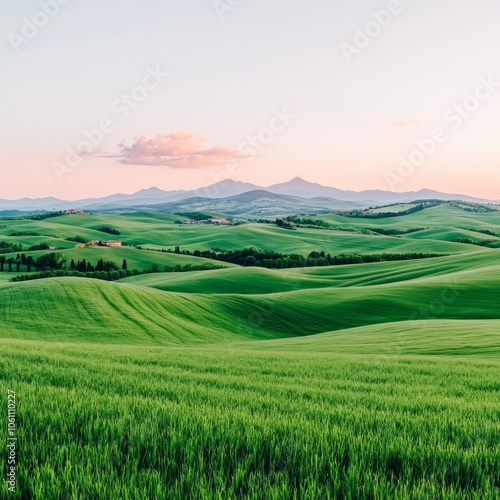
(227, 76)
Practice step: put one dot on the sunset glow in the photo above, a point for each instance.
(169, 97)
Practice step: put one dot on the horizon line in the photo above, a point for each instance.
(257, 187)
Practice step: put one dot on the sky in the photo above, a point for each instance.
(117, 96)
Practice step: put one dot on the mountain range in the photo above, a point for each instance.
(307, 196)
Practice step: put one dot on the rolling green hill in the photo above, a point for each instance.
(442, 216)
(83, 310)
(478, 338)
(258, 280)
(118, 312)
(253, 302)
(444, 223)
(372, 380)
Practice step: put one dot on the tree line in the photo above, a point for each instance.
(252, 256)
(481, 243)
(383, 215)
(115, 274)
(45, 215)
(109, 230)
(7, 247)
(53, 264)
(51, 260)
(85, 266)
(11, 262)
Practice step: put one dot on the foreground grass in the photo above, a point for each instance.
(131, 422)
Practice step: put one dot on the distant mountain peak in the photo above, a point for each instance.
(151, 190)
(231, 182)
(299, 181)
(226, 188)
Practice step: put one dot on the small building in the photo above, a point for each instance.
(212, 220)
(219, 220)
(111, 243)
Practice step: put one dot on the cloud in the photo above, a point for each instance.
(181, 149)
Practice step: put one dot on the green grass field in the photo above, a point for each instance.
(444, 223)
(373, 380)
(117, 422)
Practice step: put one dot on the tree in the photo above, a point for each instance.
(30, 261)
(50, 261)
(72, 266)
(124, 265)
(10, 261)
(111, 266)
(2, 262)
(250, 261)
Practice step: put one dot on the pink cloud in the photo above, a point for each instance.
(181, 149)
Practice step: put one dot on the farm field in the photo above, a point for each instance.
(137, 422)
(370, 380)
(438, 226)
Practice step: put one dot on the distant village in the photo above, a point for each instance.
(213, 220)
(109, 243)
(74, 211)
